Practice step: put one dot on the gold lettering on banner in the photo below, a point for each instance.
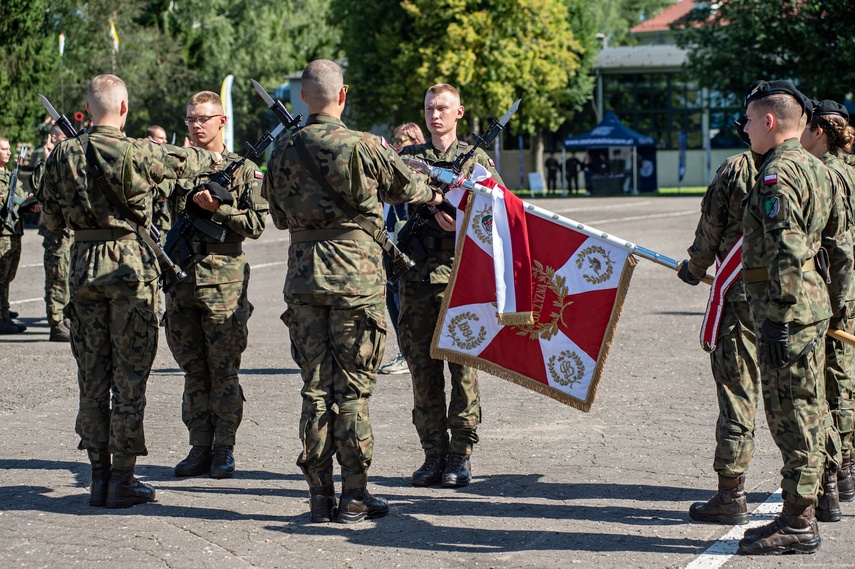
(545, 280)
(598, 265)
(461, 333)
(570, 368)
(482, 225)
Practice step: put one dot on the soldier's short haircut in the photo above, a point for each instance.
(786, 109)
(153, 130)
(441, 88)
(206, 97)
(322, 81)
(105, 94)
(55, 129)
(3, 139)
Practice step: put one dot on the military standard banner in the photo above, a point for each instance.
(575, 283)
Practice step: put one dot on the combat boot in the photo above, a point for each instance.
(845, 480)
(322, 504)
(729, 506)
(457, 471)
(793, 531)
(9, 327)
(357, 504)
(100, 478)
(198, 462)
(222, 462)
(59, 333)
(124, 490)
(430, 473)
(828, 504)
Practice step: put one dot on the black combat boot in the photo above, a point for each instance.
(357, 504)
(828, 504)
(9, 327)
(124, 490)
(197, 462)
(845, 480)
(222, 462)
(728, 506)
(430, 473)
(59, 333)
(457, 471)
(100, 478)
(322, 504)
(793, 531)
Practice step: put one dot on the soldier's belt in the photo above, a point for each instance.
(203, 248)
(329, 235)
(761, 274)
(437, 243)
(104, 235)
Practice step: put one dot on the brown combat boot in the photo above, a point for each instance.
(845, 480)
(793, 531)
(729, 506)
(828, 504)
(357, 504)
(100, 477)
(322, 504)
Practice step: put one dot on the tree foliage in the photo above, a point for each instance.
(734, 43)
(614, 18)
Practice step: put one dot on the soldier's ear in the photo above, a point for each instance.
(460, 112)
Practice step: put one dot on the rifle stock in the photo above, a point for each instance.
(13, 202)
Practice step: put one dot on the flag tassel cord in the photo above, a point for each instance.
(638, 250)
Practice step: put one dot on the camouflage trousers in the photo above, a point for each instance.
(797, 413)
(206, 331)
(10, 256)
(57, 247)
(737, 381)
(840, 385)
(420, 305)
(114, 340)
(338, 346)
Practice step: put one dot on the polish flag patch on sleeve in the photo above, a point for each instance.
(384, 143)
(770, 179)
(258, 175)
(492, 164)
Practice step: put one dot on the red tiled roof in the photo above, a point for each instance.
(662, 21)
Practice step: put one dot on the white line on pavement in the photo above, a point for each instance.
(265, 265)
(598, 207)
(31, 266)
(727, 546)
(26, 300)
(640, 217)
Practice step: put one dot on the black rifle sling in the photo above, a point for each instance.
(377, 233)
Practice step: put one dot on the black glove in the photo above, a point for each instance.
(218, 192)
(686, 275)
(775, 345)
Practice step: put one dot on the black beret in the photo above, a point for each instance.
(761, 89)
(829, 107)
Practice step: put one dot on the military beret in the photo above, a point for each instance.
(829, 107)
(760, 89)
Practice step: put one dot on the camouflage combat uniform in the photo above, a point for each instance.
(734, 360)
(112, 278)
(785, 215)
(335, 286)
(10, 242)
(57, 246)
(422, 290)
(206, 317)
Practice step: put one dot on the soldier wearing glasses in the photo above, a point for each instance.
(206, 317)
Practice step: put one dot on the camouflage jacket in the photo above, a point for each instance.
(5, 179)
(720, 226)
(71, 200)
(245, 219)
(436, 269)
(364, 170)
(839, 237)
(785, 215)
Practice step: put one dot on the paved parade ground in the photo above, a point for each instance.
(553, 487)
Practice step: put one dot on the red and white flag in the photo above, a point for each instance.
(531, 300)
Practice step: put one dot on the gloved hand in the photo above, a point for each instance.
(218, 192)
(686, 275)
(775, 343)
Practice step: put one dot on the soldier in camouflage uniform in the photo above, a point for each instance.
(734, 358)
(10, 242)
(422, 290)
(316, 184)
(206, 316)
(828, 137)
(57, 246)
(786, 212)
(112, 279)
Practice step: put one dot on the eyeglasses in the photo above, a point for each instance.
(345, 87)
(401, 140)
(199, 120)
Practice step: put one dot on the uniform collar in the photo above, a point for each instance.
(104, 129)
(324, 119)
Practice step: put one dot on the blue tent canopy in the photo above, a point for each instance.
(610, 132)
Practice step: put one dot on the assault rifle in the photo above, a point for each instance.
(13, 203)
(409, 237)
(170, 273)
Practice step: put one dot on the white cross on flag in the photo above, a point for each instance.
(549, 323)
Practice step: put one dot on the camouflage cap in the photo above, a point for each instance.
(760, 89)
(829, 107)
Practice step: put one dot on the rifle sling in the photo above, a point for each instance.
(378, 234)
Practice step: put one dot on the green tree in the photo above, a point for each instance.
(614, 18)
(734, 43)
